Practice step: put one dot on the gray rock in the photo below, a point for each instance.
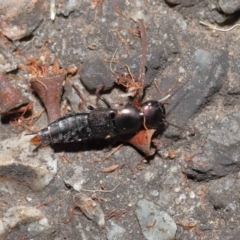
(221, 154)
(95, 73)
(156, 60)
(150, 176)
(222, 194)
(35, 229)
(205, 227)
(16, 216)
(8, 61)
(91, 209)
(234, 84)
(209, 71)
(160, 52)
(217, 16)
(68, 7)
(74, 177)
(116, 232)
(236, 235)
(20, 163)
(226, 132)
(229, 6)
(20, 18)
(108, 40)
(154, 193)
(155, 223)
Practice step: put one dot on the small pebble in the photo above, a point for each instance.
(154, 193)
(192, 194)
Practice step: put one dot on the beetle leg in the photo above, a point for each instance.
(100, 87)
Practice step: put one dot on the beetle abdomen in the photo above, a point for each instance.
(78, 127)
(70, 128)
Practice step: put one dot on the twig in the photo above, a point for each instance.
(44, 203)
(79, 93)
(210, 26)
(65, 158)
(116, 214)
(110, 154)
(169, 90)
(117, 10)
(99, 190)
(111, 63)
(72, 213)
(219, 29)
(151, 225)
(142, 69)
(190, 159)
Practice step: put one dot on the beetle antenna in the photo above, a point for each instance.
(184, 84)
(169, 96)
(165, 98)
(180, 128)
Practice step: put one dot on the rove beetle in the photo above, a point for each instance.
(102, 123)
(107, 123)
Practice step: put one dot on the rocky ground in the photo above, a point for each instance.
(189, 188)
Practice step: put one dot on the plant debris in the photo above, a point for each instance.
(47, 81)
(10, 97)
